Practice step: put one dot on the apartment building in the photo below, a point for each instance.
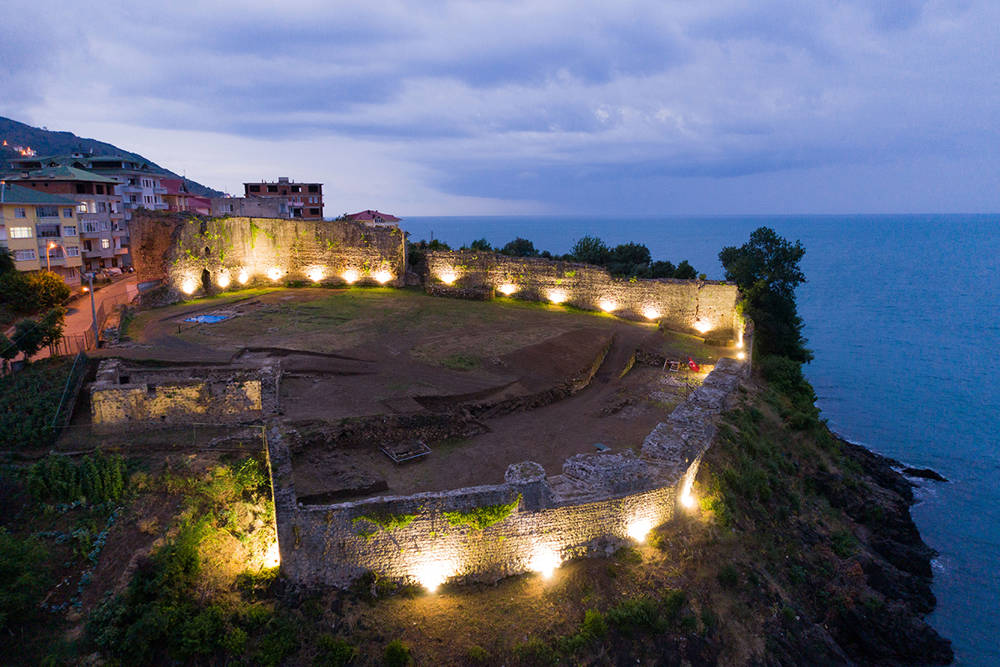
(104, 236)
(138, 184)
(295, 200)
(41, 230)
(179, 198)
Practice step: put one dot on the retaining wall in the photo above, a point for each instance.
(230, 253)
(681, 304)
(593, 507)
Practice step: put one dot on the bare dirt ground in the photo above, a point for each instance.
(348, 353)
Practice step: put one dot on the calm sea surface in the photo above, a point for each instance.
(903, 314)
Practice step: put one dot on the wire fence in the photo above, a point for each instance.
(74, 382)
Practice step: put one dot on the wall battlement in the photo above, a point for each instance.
(596, 504)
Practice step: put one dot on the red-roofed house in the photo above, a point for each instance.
(372, 218)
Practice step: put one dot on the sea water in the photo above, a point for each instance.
(903, 315)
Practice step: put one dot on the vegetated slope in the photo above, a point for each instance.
(47, 142)
(826, 564)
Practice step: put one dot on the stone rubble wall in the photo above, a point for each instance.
(270, 251)
(166, 396)
(677, 303)
(590, 509)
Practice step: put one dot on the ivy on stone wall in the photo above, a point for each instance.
(483, 517)
(383, 521)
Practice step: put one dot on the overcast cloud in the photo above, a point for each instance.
(772, 106)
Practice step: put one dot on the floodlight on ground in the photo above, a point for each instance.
(350, 276)
(316, 274)
(638, 528)
(189, 286)
(433, 573)
(557, 296)
(223, 280)
(273, 556)
(544, 561)
(507, 289)
(651, 313)
(448, 277)
(608, 306)
(701, 326)
(382, 277)
(275, 273)
(243, 277)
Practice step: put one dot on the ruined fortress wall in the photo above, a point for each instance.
(246, 251)
(678, 303)
(592, 508)
(122, 396)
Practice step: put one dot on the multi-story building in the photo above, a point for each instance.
(103, 234)
(179, 198)
(372, 218)
(295, 200)
(138, 184)
(249, 207)
(41, 231)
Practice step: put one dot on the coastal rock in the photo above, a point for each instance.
(924, 473)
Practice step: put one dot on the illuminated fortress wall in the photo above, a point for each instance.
(230, 253)
(702, 305)
(592, 508)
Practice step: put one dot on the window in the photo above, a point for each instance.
(253, 188)
(313, 188)
(67, 213)
(20, 232)
(24, 255)
(102, 207)
(105, 226)
(296, 188)
(72, 251)
(80, 189)
(105, 243)
(47, 211)
(99, 189)
(272, 188)
(47, 231)
(314, 211)
(89, 227)
(69, 231)
(87, 247)
(20, 213)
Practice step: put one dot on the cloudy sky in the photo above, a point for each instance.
(438, 108)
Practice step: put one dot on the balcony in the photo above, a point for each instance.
(132, 189)
(161, 206)
(160, 191)
(121, 251)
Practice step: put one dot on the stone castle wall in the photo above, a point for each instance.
(681, 304)
(593, 507)
(233, 252)
(120, 396)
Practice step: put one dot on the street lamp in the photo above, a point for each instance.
(48, 263)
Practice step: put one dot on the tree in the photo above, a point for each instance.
(520, 248)
(482, 245)
(685, 271)
(629, 259)
(30, 292)
(767, 271)
(50, 288)
(28, 337)
(52, 324)
(591, 250)
(662, 270)
(6, 261)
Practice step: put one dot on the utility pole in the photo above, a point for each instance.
(93, 310)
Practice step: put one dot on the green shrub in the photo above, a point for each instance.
(397, 654)
(844, 544)
(728, 576)
(96, 478)
(477, 655)
(334, 652)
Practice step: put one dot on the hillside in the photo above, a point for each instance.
(48, 142)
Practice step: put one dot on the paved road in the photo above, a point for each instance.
(78, 314)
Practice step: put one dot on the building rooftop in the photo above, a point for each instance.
(371, 215)
(62, 173)
(16, 194)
